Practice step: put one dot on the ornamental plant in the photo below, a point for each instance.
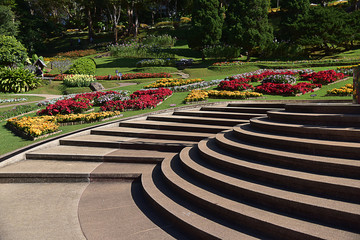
(347, 90)
(78, 80)
(34, 126)
(286, 89)
(171, 82)
(281, 78)
(77, 53)
(83, 66)
(322, 77)
(11, 51)
(17, 80)
(196, 96)
(67, 106)
(232, 94)
(235, 85)
(155, 62)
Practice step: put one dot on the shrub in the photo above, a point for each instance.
(79, 80)
(83, 66)
(155, 62)
(11, 51)
(17, 80)
(136, 50)
(221, 51)
(161, 40)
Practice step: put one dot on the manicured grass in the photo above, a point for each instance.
(10, 96)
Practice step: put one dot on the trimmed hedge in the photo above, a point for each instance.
(83, 66)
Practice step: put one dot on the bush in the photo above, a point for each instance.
(136, 50)
(162, 40)
(83, 66)
(17, 80)
(155, 62)
(79, 80)
(11, 51)
(221, 51)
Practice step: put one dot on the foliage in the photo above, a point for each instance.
(79, 80)
(246, 25)
(232, 94)
(35, 126)
(235, 85)
(88, 117)
(17, 80)
(12, 100)
(347, 90)
(322, 77)
(11, 51)
(17, 110)
(137, 50)
(8, 26)
(196, 96)
(67, 106)
(280, 79)
(286, 89)
(155, 62)
(221, 51)
(62, 65)
(206, 24)
(83, 66)
(171, 82)
(77, 53)
(164, 41)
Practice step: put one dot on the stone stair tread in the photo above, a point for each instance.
(255, 104)
(262, 189)
(239, 210)
(191, 220)
(293, 114)
(281, 139)
(353, 183)
(213, 113)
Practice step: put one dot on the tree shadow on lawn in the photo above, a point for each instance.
(118, 63)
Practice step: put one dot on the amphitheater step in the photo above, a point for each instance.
(316, 118)
(312, 131)
(269, 224)
(335, 108)
(325, 211)
(258, 110)
(126, 143)
(321, 185)
(258, 105)
(151, 133)
(173, 126)
(96, 154)
(298, 144)
(213, 114)
(192, 221)
(196, 120)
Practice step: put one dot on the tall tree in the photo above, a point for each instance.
(207, 21)
(247, 26)
(8, 25)
(114, 9)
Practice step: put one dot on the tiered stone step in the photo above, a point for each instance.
(214, 114)
(254, 109)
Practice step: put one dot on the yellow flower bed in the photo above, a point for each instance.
(343, 91)
(232, 94)
(172, 82)
(35, 126)
(196, 96)
(38, 126)
(348, 67)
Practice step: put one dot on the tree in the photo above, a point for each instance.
(114, 9)
(8, 25)
(247, 26)
(11, 51)
(293, 12)
(207, 21)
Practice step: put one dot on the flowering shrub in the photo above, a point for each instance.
(67, 106)
(322, 77)
(171, 82)
(286, 89)
(232, 94)
(196, 96)
(79, 80)
(282, 78)
(77, 53)
(34, 126)
(235, 85)
(347, 90)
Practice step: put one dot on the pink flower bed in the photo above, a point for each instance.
(235, 85)
(286, 89)
(322, 77)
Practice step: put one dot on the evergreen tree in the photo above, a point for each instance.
(293, 12)
(207, 21)
(8, 25)
(247, 25)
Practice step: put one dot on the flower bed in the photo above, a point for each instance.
(78, 80)
(286, 89)
(67, 106)
(322, 77)
(77, 53)
(196, 96)
(125, 76)
(85, 118)
(283, 78)
(235, 85)
(172, 82)
(234, 63)
(11, 100)
(347, 90)
(233, 94)
(259, 75)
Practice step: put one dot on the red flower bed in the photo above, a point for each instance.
(93, 95)
(322, 77)
(77, 53)
(66, 107)
(286, 89)
(261, 76)
(235, 85)
(135, 76)
(141, 99)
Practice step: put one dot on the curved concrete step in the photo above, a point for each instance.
(173, 126)
(298, 144)
(322, 185)
(337, 108)
(258, 110)
(196, 120)
(192, 223)
(259, 105)
(151, 133)
(126, 143)
(350, 120)
(312, 131)
(213, 114)
(271, 225)
(331, 212)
